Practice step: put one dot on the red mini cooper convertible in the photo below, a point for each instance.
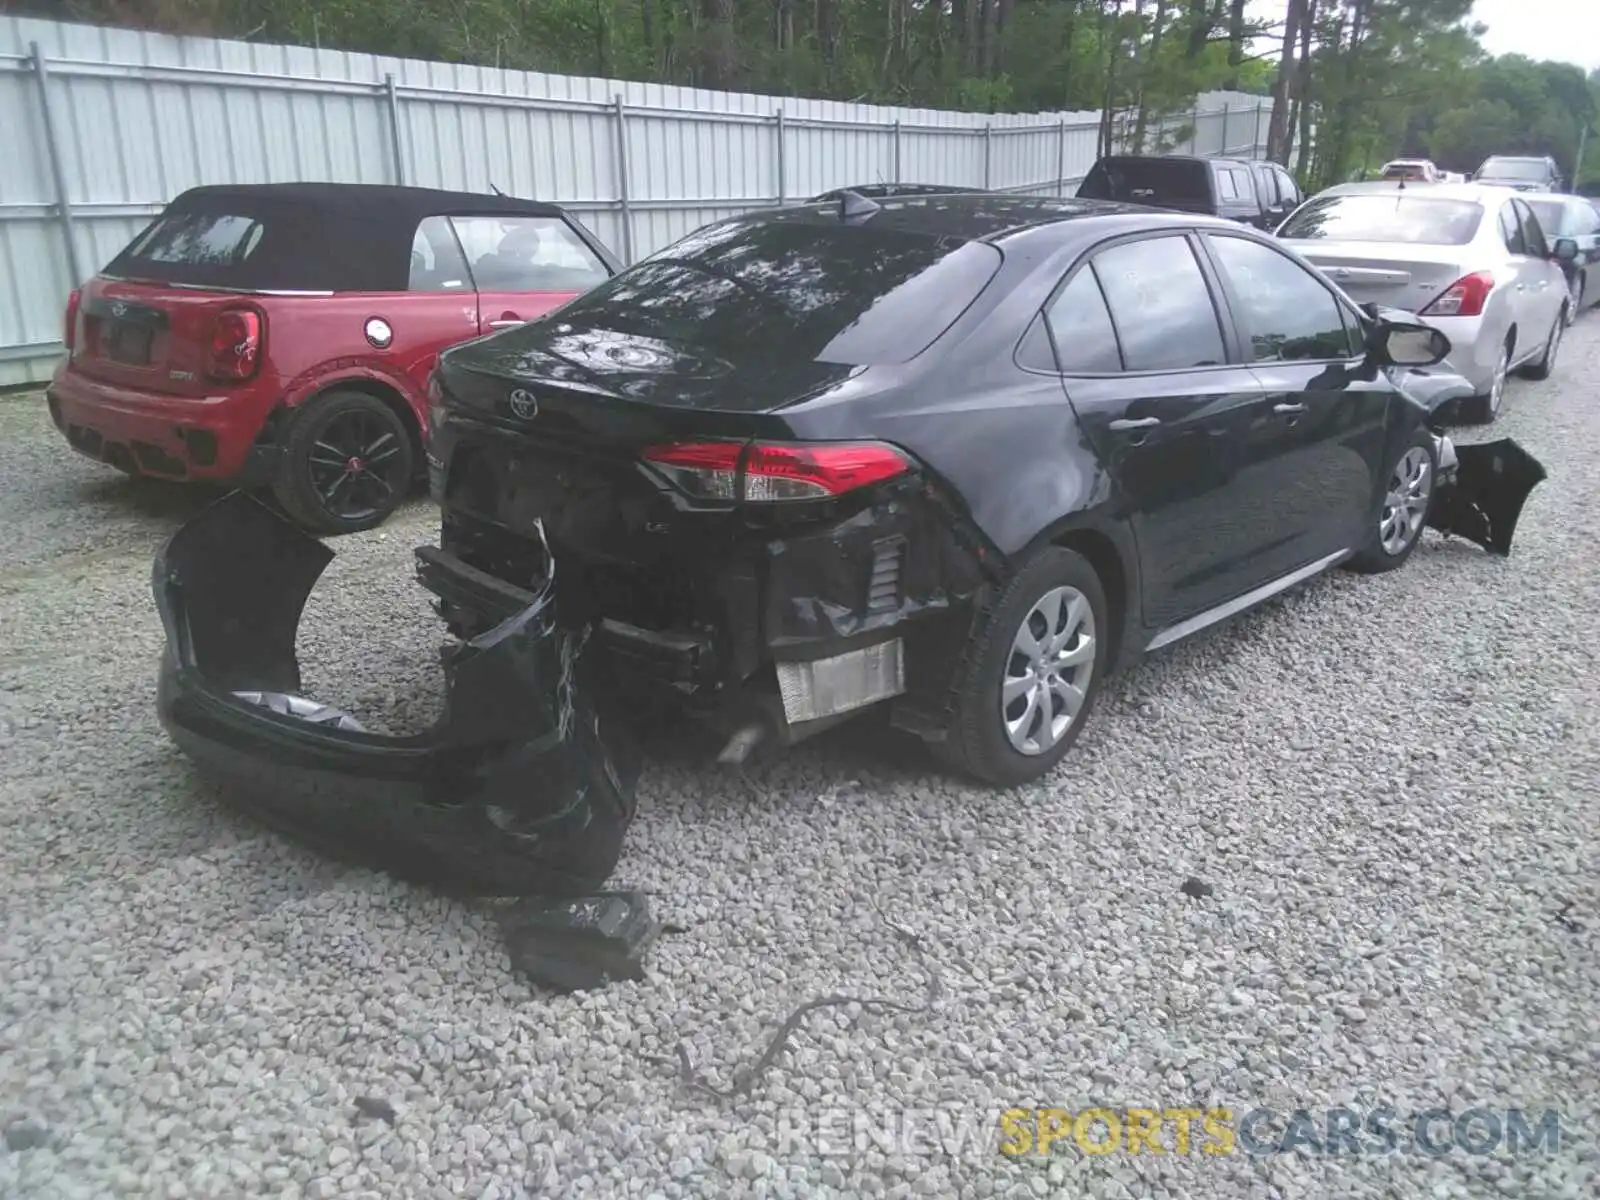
(282, 335)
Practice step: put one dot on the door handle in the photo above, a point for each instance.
(1522, 287)
(1123, 424)
(1288, 409)
(505, 324)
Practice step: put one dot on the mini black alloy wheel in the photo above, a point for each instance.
(348, 463)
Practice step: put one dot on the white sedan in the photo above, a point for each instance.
(1469, 259)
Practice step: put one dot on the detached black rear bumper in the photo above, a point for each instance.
(516, 790)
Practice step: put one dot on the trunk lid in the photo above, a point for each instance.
(550, 376)
(150, 336)
(548, 436)
(1392, 274)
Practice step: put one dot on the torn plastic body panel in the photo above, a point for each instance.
(519, 789)
(1484, 500)
(1482, 486)
(725, 613)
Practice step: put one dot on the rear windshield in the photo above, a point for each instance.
(1514, 168)
(1147, 181)
(780, 293)
(1407, 171)
(1386, 218)
(198, 238)
(268, 243)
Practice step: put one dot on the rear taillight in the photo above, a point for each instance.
(70, 337)
(235, 345)
(765, 472)
(1463, 298)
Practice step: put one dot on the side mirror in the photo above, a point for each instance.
(1406, 345)
(1566, 249)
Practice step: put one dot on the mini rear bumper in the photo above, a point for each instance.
(516, 790)
(145, 433)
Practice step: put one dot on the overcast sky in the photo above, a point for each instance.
(1561, 30)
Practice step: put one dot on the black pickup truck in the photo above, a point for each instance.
(1256, 193)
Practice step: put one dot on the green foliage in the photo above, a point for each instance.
(984, 55)
(1509, 105)
(1374, 79)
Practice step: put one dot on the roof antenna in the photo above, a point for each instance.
(853, 206)
(495, 188)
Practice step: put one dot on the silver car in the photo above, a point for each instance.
(1467, 258)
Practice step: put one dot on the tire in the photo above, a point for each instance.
(1403, 512)
(327, 497)
(1546, 362)
(976, 742)
(1483, 408)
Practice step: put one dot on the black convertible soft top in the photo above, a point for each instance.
(312, 237)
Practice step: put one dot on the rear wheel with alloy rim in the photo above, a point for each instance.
(1407, 495)
(1031, 675)
(347, 463)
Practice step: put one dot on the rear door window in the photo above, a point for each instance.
(1161, 305)
(1511, 230)
(437, 264)
(1080, 326)
(1532, 235)
(527, 254)
(1552, 215)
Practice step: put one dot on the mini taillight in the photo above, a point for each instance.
(765, 472)
(235, 345)
(1463, 298)
(70, 337)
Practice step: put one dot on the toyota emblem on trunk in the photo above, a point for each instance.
(524, 404)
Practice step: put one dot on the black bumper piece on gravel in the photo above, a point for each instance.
(515, 791)
(1493, 481)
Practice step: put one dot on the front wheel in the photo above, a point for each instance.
(1030, 679)
(347, 463)
(1408, 494)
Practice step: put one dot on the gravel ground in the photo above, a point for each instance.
(1389, 783)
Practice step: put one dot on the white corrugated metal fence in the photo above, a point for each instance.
(100, 127)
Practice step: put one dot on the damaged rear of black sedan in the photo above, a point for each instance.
(955, 457)
(962, 454)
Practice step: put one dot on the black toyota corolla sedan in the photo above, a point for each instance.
(962, 455)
